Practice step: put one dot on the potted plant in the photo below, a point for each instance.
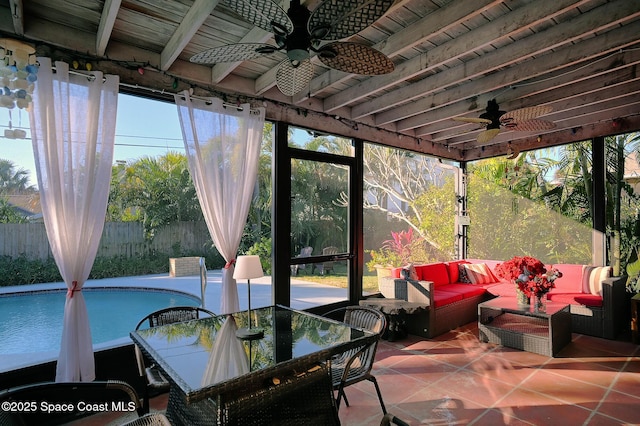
(401, 249)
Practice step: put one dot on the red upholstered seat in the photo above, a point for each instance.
(576, 298)
(441, 298)
(466, 290)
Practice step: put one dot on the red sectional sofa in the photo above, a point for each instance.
(596, 300)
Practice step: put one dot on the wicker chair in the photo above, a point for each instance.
(355, 365)
(155, 419)
(151, 375)
(297, 398)
(96, 392)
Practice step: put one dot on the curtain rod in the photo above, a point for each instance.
(152, 90)
(201, 98)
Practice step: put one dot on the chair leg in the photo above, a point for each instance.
(375, 383)
(341, 395)
(145, 401)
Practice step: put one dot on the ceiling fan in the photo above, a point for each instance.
(299, 32)
(523, 119)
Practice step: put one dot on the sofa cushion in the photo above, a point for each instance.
(479, 273)
(436, 272)
(453, 268)
(571, 279)
(464, 289)
(576, 298)
(501, 288)
(442, 298)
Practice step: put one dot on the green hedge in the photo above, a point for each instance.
(22, 271)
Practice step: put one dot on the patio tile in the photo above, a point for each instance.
(437, 405)
(622, 406)
(565, 389)
(540, 409)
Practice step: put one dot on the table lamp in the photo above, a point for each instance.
(248, 267)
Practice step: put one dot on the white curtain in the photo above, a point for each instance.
(223, 148)
(73, 120)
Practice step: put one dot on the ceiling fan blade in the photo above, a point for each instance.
(524, 114)
(472, 120)
(531, 125)
(261, 13)
(355, 58)
(486, 135)
(291, 80)
(232, 53)
(338, 19)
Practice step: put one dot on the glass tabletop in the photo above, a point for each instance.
(510, 304)
(185, 350)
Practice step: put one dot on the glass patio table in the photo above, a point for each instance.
(293, 341)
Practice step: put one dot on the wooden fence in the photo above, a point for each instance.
(118, 239)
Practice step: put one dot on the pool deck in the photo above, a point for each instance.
(304, 294)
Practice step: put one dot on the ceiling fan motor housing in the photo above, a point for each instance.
(492, 113)
(299, 40)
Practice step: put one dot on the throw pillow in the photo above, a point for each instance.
(409, 272)
(454, 270)
(463, 277)
(595, 279)
(586, 276)
(413, 274)
(479, 273)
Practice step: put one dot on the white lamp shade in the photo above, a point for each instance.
(248, 267)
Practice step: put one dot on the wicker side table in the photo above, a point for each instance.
(503, 322)
(398, 312)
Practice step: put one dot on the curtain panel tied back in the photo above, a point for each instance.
(223, 148)
(73, 120)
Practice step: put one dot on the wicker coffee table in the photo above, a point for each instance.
(503, 321)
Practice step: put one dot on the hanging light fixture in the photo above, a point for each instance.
(18, 73)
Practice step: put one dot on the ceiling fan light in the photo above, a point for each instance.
(297, 56)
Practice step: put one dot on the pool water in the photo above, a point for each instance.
(32, 321)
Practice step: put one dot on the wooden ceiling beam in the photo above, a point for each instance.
(192, 21)
(602, 72)
(107, 20)
(425, 109)
(17, 16)
(491, 33)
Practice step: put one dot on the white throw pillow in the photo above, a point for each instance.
(596, 277)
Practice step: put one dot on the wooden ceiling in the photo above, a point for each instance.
(451, 57)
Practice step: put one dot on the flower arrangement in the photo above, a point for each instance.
(529, 274)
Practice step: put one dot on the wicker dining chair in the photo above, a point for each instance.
(96, 392)
(151, 375)
(291, 399)
(355, 365)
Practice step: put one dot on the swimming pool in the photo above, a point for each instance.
(32, 321)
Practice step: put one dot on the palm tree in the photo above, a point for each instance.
(13, 180)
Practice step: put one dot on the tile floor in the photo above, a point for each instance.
(455, 380)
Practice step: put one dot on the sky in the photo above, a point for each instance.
(144, 127)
